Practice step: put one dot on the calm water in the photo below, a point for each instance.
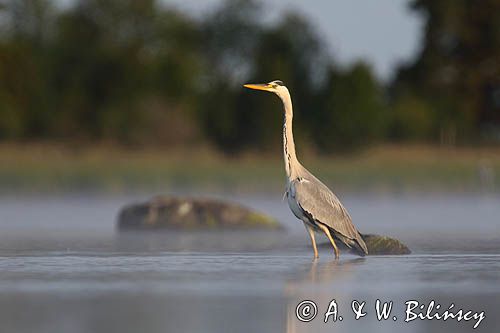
(64, 268)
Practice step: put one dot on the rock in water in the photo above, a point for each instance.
(377, 245)
(192, 214)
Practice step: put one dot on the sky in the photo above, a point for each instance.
(381, 32)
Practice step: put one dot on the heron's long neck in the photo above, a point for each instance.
(291, 162)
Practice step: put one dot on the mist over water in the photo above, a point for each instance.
(64, 267)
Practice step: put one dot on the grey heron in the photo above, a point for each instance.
(309, 199)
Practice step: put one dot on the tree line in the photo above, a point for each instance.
(143, 73)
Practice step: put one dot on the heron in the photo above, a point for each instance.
(309, 199)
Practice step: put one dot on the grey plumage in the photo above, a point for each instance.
(322, 206)
(309, 199)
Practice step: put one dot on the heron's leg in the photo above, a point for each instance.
(313, 240)
(327, 233)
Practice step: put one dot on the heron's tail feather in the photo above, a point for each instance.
(356, 244)
(360, 246)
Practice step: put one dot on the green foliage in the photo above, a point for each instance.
(292, 52)
(354, 112)
(457, 71)
(413, 119)
(225, 111)
(141, 73)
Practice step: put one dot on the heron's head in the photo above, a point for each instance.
(276, 87)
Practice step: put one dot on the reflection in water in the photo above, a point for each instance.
(317, 284)
(324, 271)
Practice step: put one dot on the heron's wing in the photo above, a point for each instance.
(322, 205)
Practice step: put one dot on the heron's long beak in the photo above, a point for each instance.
(258, 86)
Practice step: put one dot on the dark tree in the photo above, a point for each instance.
(457, 71)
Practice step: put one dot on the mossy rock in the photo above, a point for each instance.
(184, 213)
(378, 245)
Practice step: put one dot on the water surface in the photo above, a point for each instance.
(64, 268)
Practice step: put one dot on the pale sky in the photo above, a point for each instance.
(381, 32)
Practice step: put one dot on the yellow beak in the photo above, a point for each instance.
(258, 86)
